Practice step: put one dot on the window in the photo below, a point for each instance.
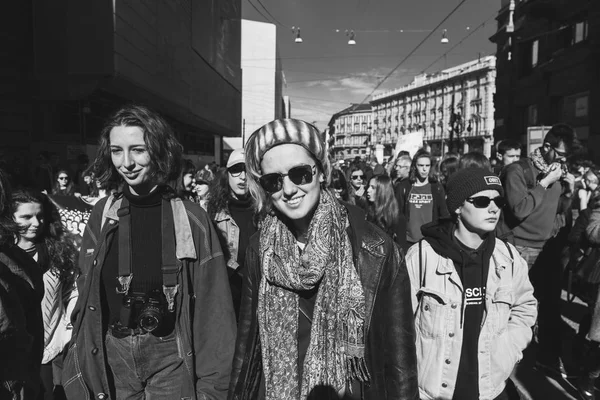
(534, 52)
(532, 115)
(580, 32)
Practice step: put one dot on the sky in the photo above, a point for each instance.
(324, 74)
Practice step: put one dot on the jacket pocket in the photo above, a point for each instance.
(429, 319)
(501, 307)
(72, 378)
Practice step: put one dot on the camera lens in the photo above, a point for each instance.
(148, 322)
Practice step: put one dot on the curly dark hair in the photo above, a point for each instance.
(164, 149)
(9, 229)
(62, 253)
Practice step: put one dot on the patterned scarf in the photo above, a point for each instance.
(337, 339)
(538, 161)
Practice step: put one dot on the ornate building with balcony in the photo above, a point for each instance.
(349, 132)
(453, 108)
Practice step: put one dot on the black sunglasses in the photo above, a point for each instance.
(300, 175)
(484, 202)
(237, 169)
(357, 177)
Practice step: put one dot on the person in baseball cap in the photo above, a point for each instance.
(473, 301)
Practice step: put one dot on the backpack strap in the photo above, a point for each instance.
(107, 205)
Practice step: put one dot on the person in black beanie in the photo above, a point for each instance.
(232, 210)
(472, 298)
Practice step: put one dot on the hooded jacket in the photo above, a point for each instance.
(438, 294)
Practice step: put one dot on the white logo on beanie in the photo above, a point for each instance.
(492, 180)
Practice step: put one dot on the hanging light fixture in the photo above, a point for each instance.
(352, 40)
(296, 31)
(444, 37)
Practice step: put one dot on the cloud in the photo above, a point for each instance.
(363, 83)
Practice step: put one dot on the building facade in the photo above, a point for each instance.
(453, 109)
(71, 64)
(348, 133)
(262, 79)
(548, 67)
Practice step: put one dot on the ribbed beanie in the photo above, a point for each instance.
(464, 183)
(285, 131)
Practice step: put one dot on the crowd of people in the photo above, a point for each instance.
(288, 275)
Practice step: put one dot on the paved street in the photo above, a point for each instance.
(534, 384)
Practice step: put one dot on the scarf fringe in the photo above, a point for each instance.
(356, 369)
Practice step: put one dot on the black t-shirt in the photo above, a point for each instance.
(242, 213)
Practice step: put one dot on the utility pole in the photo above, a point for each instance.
(243, 132)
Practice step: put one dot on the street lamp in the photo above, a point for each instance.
(296, 31)
(444, 37)
(352, 40)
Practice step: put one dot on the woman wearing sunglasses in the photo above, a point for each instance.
(472, 298)
(326, 308)
(63, 185)
(231, 208)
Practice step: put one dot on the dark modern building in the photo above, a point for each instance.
(68, 64)
(548, 67)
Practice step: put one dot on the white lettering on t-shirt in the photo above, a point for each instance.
(474, 296)
(419, 199)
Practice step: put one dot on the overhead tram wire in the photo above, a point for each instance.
(413, 50)
(258, 11)
(271, 15)
(459, 43)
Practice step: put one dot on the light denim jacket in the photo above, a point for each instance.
(510, 312)
(230, 236)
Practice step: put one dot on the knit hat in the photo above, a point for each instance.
(285, 131)
(236, 157)
(464, 183)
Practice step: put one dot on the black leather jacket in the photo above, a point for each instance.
(390, 348)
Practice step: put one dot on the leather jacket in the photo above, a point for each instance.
(390, 335)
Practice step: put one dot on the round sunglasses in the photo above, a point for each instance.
(484, 201)
(300, 175)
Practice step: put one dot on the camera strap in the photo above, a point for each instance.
(169, 264)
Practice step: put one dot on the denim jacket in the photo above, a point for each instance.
(205, 321)
(510, 312)
(230, 237)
